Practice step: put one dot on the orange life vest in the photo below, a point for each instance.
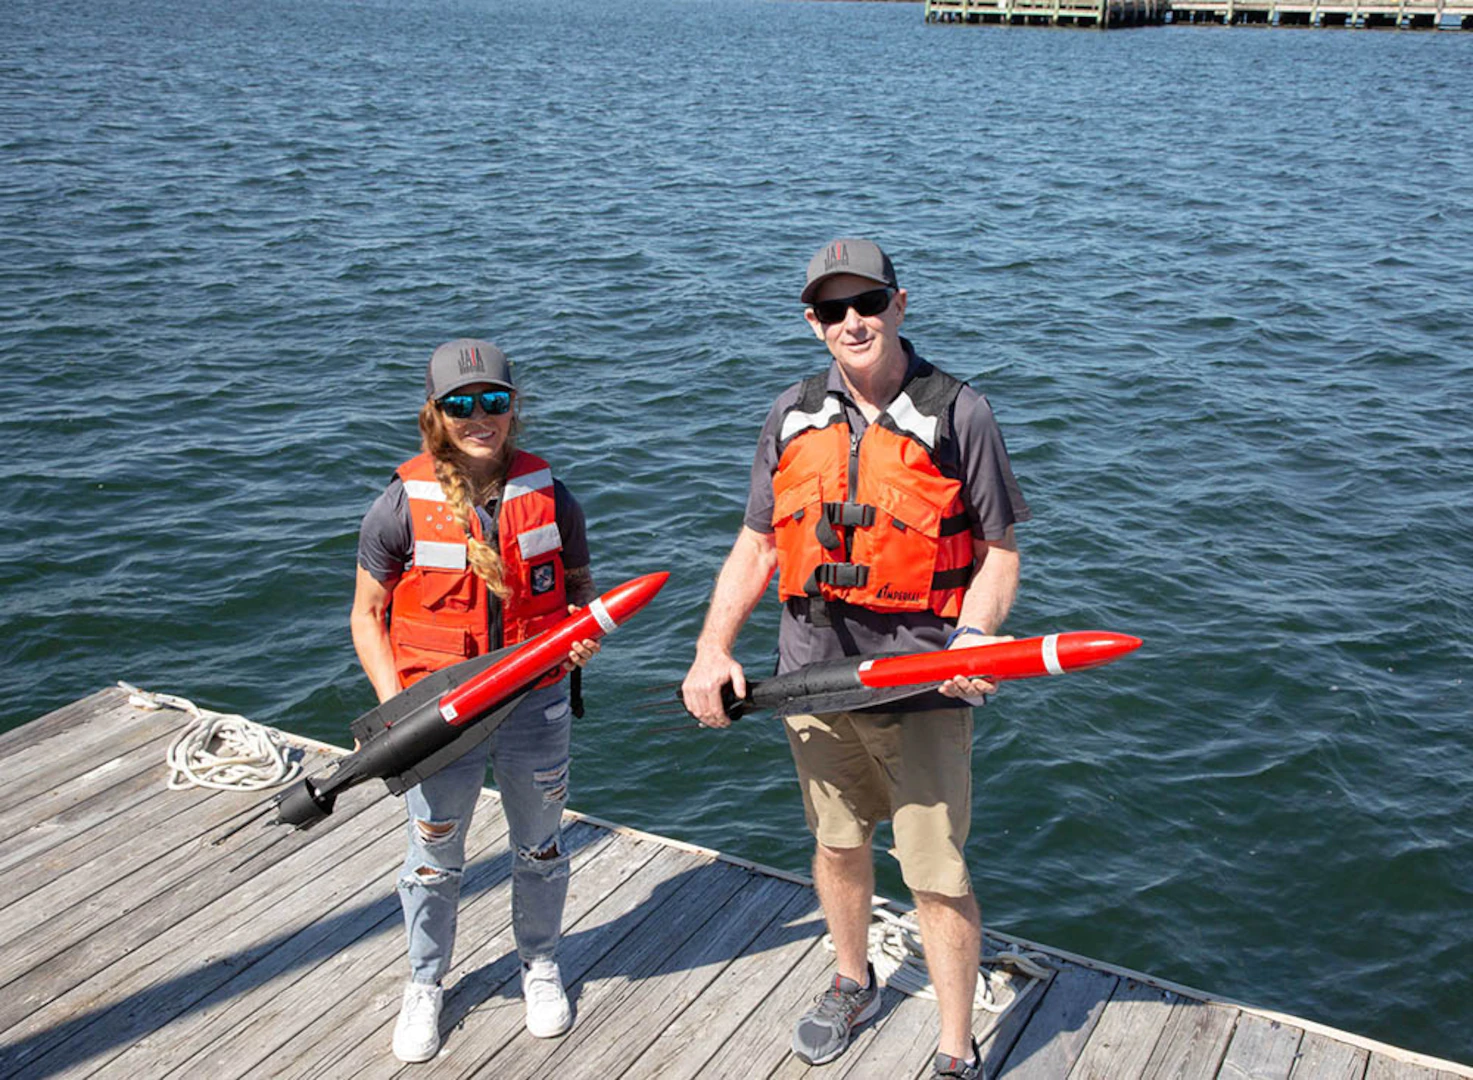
(872, 521)
(439, 611)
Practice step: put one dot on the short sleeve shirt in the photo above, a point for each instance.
(974, 454)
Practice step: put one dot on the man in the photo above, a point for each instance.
(882, 495)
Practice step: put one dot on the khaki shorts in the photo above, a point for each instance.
(857, 769)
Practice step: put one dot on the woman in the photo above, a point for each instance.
(474, 545)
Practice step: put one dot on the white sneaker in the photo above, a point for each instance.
(548, 1012)
(417, 1034)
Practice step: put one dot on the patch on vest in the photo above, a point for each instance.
(544, 578)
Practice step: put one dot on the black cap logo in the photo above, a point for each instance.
(837, 255)
(470, 360)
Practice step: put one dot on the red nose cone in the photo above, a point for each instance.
(1091, 648)
(624, 600)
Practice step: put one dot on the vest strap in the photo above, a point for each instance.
(957, 523)
(956, 578)
(812, 609)
(839, 575)
(848, 514)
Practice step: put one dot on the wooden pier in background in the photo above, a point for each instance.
(1092, 13)
(1359, 14)
(133, 947)
(1104, 14)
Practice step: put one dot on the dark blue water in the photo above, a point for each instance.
(1216, 284)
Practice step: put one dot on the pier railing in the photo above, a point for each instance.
(1099, 13)
(1363, 14)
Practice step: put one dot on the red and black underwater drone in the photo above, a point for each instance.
(442, 716)
(855, 682)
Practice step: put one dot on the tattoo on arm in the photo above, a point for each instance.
(580, 585)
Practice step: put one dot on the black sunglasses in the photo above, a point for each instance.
(864, 304)
(461, 406)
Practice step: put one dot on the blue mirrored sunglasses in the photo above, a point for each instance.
(461, 406)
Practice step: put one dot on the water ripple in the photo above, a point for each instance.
(1229, 344)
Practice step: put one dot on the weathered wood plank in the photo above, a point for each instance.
(69, 876)
(1193, 1041)
(792, 1068)
(1061, 1025)
(901, 1040)
(200, 1038)
(483, 1007)
(1323, 1058)
(137, 996)
(1381, 1067)
(65, 808)
(603, 962)
(904, 1041)
(77, 748)
(101, 830)
(276, 1036)
(642, 1005)
(1261, 1049)
(1000, 1036)
(358, 1018)
(153, 838)
(1125, 1034)
(760, 1044)
(60, 823)
(77, 943)
(682, 1050)
(69, 715)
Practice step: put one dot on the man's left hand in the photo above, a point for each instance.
(972, 691)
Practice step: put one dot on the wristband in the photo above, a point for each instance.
(963, 630)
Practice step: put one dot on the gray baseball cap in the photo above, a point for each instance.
(465, 361)
(862, 258)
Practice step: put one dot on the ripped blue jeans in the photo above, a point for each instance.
(529, 761)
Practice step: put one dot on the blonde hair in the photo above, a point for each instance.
(466, 488)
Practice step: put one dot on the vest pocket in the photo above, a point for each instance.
(428, 638)
(796, 511)
(446, 591)
(901, 549)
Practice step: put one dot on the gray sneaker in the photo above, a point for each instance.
(944, 1065)
(823, 1031)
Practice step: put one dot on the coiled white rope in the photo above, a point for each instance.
(900, 963)
(219, 750)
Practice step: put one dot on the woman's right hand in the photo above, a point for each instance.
(580, 653)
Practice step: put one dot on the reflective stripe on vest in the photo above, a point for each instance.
(540, 541)
(439, 555)
(796, 421)
(428, 490)
(532, 482)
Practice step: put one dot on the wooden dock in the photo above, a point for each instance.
(1105, 14)
(1326, 14)
(132, 947)
(1101, 14)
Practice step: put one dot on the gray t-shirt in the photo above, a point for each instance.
(386, 537)
(974, 454)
